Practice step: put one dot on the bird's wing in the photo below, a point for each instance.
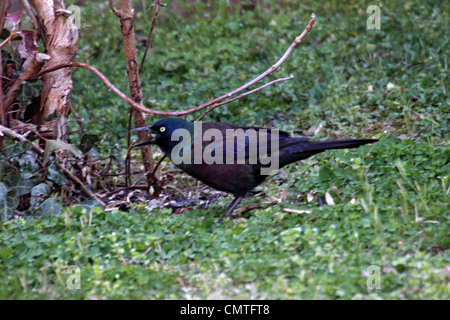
(241, 144)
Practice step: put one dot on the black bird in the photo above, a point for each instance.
(231, 158)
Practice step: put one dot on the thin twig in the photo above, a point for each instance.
(29, 129)
(12, 134)
(10, 37)
(158, 164)
(78, 120)
(127, 165)
(114, 9)
(84, 60)
(129, 144)
(29, 10)
(152, 173)
(243, 95)
(110, 86)
(273, 68)
(156, 4)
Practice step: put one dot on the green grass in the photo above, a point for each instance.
(391, 198)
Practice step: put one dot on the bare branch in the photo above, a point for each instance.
(10, 37)
(84, 60)
(143, 109)
(110, 86)
(12, 134)
(243, 95)
(156, 4)
(114, 9)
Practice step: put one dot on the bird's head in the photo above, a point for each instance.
(163, 131)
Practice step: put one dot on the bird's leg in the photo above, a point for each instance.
(231, 207)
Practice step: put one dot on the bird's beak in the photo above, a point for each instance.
(147, 142)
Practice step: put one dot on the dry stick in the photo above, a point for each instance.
(78, 120)
(10, 133)
(249, 208)
(129, 144)
(147, 173)
(11, 35)
(38, 150)
(200, 107)
(127, 164)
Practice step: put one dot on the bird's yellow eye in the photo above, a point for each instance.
(162, 129)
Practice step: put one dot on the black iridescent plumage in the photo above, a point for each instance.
(235, 178)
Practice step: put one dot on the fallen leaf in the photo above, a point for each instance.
(310, 196)
(329, 199)
(296, 211)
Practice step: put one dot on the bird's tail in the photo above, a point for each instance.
(320, 146)
(300, 150)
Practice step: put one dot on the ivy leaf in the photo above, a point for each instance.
(90, 204)
(41, 189)
(38, 193)
(5, 167)
(30, 89)
(49, 206)
(28, 160)
(9, 200)
(16, 149)
(21, 186)
(52, 145)
(88, 142)
(55, 175)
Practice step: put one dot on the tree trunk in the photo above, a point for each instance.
(60, 38)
